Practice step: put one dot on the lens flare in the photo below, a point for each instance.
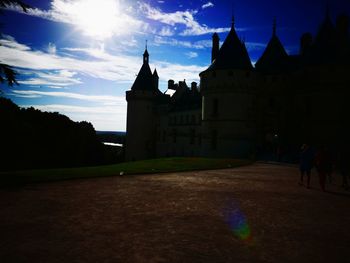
(239, 225)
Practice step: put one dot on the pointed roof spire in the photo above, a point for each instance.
(274, 27)
(155, 73)
(275, 57)
(232, 16)
(145, 55)
(233, 54)
(144, 80)
(327, 9)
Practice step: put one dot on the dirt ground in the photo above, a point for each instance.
(256, 213)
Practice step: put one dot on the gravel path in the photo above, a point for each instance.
(256, 213)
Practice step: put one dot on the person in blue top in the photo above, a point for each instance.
(306, 163)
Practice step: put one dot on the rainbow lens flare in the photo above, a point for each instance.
(239, 225)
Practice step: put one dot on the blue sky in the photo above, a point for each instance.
(78, 57)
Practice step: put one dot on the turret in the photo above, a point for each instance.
(155, 79)
(145, 56)
(140, 130)
(194, 86)
(305, 43)
(343, 25)
(275, 58)
(216, 47)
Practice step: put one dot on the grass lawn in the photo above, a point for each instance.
(139, 167)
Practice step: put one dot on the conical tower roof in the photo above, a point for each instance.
(232, 54)
(324, 48)
(275, 57)
(144, 80)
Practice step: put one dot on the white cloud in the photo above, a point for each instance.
(104, 99)
(9, 42)
(191, 54)
(178, 72)
(207, 5)
(107, 118)
(56, 79)
(99, 19)
(166, 31)
(51, 48)
(202, 44)
(77, 109)
(186, 18)
(105, 66)
(255, 46)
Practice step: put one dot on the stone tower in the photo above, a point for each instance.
(227, 88)
(140, 138)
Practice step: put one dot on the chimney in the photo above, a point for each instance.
(194, 86)
(216, 47)
(171, 84)
(343, 25)
(305, 43)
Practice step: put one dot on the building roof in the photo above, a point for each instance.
(185, 99)
(324, 47)
(144, 80)
(275, 57)
(232, 54)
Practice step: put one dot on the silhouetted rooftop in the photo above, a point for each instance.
(185, 98)
(232, 54)
(144, 80)
(274, 58)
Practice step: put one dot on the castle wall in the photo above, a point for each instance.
(140, 138)
(228, 113)
(180, 134)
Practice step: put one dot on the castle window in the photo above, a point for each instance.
(174, 136)
(193, 119)
(308, 105)
(215, 107)
(272, 103)
(192, 136)
(214, 140)
(164, 136)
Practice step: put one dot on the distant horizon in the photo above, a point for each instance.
(81, 67)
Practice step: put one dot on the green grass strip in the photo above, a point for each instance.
(164, 165)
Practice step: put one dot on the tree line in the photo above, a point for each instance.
(30, 138)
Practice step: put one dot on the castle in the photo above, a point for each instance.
(240, 110)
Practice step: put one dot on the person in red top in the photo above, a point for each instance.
(306, 163)
(323, 161)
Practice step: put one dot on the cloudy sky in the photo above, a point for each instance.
(78, 57)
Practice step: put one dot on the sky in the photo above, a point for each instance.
(78, 57)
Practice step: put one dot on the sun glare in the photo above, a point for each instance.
(96, 18)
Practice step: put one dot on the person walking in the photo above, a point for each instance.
(323, 163)
(344, 166)
(306, 163)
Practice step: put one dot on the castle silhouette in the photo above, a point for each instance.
(240, 110)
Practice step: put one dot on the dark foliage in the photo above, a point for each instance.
(6, 3)
(7, 74)
(30, 138)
